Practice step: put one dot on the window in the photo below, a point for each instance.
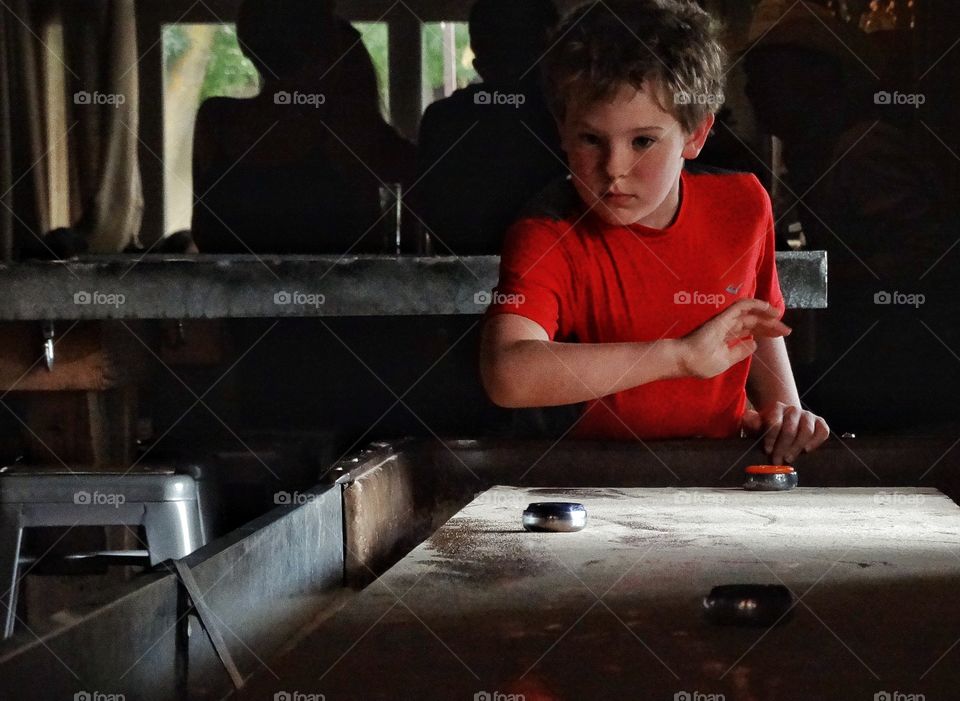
(447, 59)
(199, 61)
(375, 39)
(205, 60)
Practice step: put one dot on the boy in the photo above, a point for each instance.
(665, 279)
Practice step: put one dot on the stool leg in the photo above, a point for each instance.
(10, 536)
(173, 530)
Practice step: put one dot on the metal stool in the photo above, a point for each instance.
(165, 504)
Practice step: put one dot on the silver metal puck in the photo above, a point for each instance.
(555, 517)
(748, 604)
(771, 482)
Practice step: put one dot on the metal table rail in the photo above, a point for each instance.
(224, 287)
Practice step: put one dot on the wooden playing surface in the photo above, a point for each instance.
(614, 611)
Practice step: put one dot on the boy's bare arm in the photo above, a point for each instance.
(521, 367)
(771, 377)
(788, 428)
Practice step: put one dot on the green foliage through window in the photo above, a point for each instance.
(376, 39)
(229, 71)
(433, 59)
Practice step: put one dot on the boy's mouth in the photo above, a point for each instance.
(616, 197)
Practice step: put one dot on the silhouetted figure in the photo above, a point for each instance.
(296, 169)
(868, 198)
(488, 148)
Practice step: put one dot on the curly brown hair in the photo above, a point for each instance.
(671, 45)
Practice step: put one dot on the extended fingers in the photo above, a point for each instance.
(797, 431)
(739, 349)
(742, 317)
(806, 427)
(746, 306)
(821, 433)
(789, 423)
(760, 324)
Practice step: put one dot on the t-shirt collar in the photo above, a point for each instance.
(640, 229)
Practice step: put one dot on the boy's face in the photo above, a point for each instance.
(626, 155)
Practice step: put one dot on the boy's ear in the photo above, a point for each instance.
(697, 138)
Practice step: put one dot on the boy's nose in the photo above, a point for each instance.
(618, 162)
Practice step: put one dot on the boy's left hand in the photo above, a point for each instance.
(788, 430)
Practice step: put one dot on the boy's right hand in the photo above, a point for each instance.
(727, 338)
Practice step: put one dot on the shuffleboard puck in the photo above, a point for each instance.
(748, 604)
(554, 517)
(770, 478)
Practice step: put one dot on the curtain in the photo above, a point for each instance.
(72, 71)
(6, 144)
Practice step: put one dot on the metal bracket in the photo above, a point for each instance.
(207, 621)
(48, 353)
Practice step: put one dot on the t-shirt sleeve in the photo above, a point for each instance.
(535, 275)
(768, 282)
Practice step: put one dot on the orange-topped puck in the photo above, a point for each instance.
(769, 470)
(770, 478)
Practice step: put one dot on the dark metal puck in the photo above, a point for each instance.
(748, 604)
(770, 478)
(554, 517)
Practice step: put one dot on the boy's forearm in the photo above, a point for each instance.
(534, 373)
(771, 377)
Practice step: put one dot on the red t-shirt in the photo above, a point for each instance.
(585, 280)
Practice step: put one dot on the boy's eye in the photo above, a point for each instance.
(642, 142)
(589, 139)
